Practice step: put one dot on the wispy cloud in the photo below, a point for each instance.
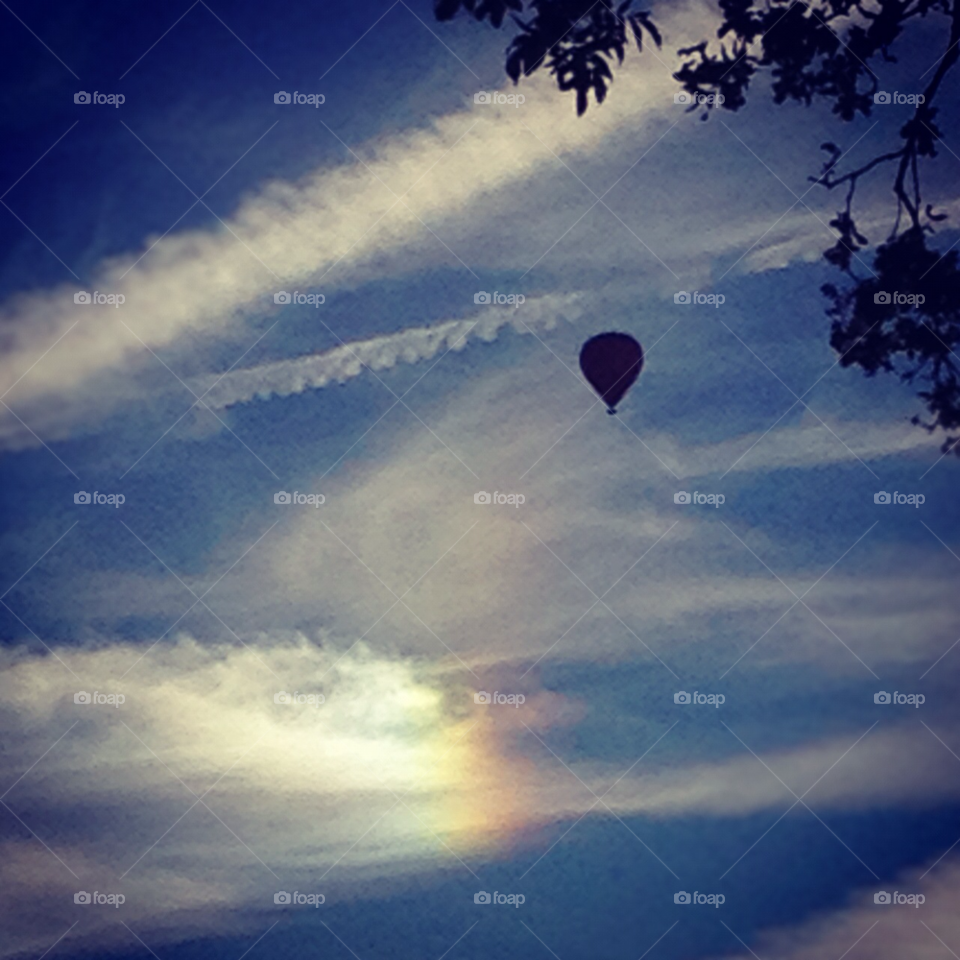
(863, 930)
(285, 377)
(382, 199)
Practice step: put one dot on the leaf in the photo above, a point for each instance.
(644, 18)
(699, 48)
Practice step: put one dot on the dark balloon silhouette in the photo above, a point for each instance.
(611, 362)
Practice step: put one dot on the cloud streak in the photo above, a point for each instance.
(285, 377)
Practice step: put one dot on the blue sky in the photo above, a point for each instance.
(202, 602)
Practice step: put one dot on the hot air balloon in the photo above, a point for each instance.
(611, 362)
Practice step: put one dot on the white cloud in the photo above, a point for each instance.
(293, 234)
(384, 774)
(285, 377)
(926, 775)
(868, 931)
(492, 583)
(397, 771)
(808, 444)
(483, 178)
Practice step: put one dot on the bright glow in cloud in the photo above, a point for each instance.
(397, 770)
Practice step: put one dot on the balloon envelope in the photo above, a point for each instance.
(611, 362)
